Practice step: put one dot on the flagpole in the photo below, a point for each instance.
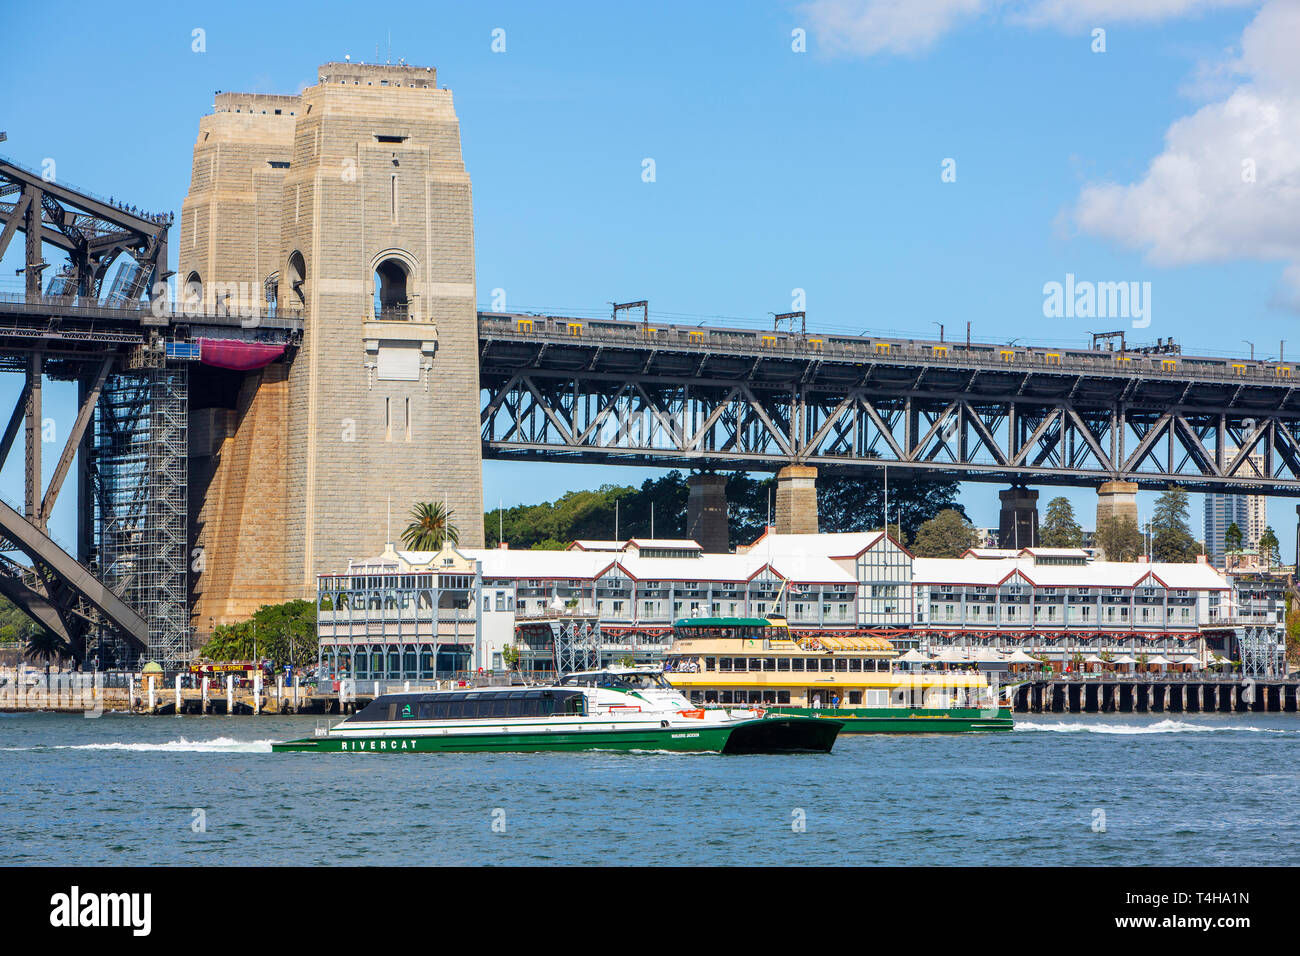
(886, 499)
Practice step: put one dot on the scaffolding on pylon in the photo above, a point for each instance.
(139, 466)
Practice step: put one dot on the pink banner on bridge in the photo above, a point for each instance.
(237, 355)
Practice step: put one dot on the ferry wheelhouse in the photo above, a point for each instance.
(616, 708)
(760, 662)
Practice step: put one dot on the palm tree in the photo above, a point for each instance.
(43, 645)
(430, 528)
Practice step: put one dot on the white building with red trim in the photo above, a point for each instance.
(1056, 603)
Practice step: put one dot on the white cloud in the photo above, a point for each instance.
(872, 27)
(868, 27)
(1197, 202)
(1078, 14)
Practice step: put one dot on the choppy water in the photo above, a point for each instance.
(1186, 790)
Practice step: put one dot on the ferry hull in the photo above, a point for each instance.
(784, 735)
(909, 720)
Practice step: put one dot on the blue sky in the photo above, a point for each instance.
(775, 170)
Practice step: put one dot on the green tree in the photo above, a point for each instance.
(1269, 549)
(282, 633)
(845, 504)
(946, 535)
(1060, 529)
(1119, 538)
(1232, 538)
(1171, 537)
(430, 527)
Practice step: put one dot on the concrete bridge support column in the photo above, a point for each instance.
(1018, 520)
(796, 500)
(1117, 499)
(706, 512)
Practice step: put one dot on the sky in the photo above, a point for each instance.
(904, 162)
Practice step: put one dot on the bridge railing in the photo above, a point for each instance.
(1175, 366)
(175, 311)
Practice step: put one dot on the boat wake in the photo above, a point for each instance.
(1159, 727)
(216, 745)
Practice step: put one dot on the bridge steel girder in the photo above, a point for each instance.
(534, 412)
(91, 231)
(51, 563)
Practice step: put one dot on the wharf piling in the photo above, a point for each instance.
(1181, 695)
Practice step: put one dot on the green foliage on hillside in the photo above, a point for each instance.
(15, 626)
(846, 504)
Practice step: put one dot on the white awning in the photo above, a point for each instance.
(1020, 657)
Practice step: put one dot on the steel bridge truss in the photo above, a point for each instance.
(1262, 650)
(540, 413)
(92, 232)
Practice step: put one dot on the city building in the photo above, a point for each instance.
(1056, 603)
(411, 615)
(1248, 512)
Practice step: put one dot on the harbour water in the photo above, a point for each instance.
(1061, 789)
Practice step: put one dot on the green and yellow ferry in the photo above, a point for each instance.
(849, 678)
(616, 708)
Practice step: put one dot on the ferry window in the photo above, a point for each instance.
(695, 697)
(841, 664)
(724, 663)
(855, 697)
(440, 709)
(769, 663)
(710, 697)
(769, 697)
(512, 708)
(783, 697)
(724, 697)
(738, 664)
(796, 664)
(855, 663)
(783, 663)
(709, 663)
(455, 709)
(755, 663)
(827, 664)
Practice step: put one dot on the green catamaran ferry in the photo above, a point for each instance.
(628, 708)
(850, 679)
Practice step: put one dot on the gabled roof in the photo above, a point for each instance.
(1114, 574)
(831, 544)
(593, 544)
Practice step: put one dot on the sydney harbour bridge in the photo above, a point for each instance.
(625, 389)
